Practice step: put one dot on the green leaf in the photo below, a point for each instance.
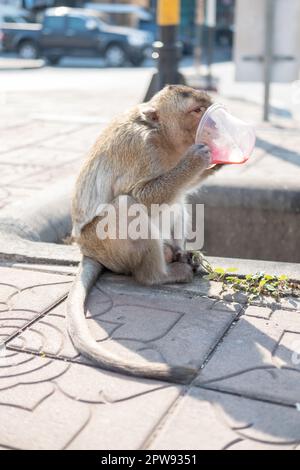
(262, 283)
(253, 284)
(270, 288)
(220, 271)
(232, 279)
(252, 297)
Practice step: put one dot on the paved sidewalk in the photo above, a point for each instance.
(246, 395)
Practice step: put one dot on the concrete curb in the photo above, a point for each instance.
(252, 219)
(31, 232)
(250, 266)
(8, 64)
(260, 195)
(44, 219)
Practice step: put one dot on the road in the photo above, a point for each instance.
(127, 85)
(48, 90)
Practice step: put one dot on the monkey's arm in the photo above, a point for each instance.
(202, 176)
(166, 187)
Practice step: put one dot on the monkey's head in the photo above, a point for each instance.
(176, 111)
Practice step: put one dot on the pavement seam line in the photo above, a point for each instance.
(185, 390)
(163, 419)
(246, 397)
(36, 319)
(224, 335)
(40, 270)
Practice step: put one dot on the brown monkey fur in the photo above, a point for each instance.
(147, 155)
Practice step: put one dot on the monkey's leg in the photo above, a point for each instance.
(175, 245)
(174, 253)
(153, 269)
(174, 250)
(146, 258)
(143, 258)
(168, 253)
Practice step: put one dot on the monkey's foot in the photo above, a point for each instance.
(193, 258)
(169, 254)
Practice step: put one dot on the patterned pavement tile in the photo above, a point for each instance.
(260, 357)
(156, 326)
(53, 404)
(26, 294)
(49, 336)
(198, 287)
(212, 420)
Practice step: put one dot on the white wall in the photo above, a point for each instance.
(250, 39)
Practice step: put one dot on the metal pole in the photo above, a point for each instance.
(268, 56)
(168, 16)
(200, 12)
(211, 25)
(167, 49)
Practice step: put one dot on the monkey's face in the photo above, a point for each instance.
(180, 109)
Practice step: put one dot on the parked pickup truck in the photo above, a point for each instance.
(78, 33)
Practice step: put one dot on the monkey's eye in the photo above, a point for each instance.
(196, 110)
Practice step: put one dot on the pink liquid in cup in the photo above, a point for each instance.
(230, 139)
(224, 155)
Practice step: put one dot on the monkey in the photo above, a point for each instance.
(148, 156)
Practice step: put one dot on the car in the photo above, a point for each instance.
(21, 38)
(129, 14)
(11, 14)
(79, 33)
(141, 19)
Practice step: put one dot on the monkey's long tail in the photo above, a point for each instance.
(85, 343)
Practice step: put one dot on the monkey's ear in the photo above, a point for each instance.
(149, 114)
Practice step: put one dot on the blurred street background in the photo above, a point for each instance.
(66, 68)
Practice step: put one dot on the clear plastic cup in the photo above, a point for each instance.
(230, 139)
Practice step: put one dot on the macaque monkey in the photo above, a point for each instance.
(146, 156)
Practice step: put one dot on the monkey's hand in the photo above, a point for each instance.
(166, 187)
(199, 155)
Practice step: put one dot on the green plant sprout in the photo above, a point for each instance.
(253, 285)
